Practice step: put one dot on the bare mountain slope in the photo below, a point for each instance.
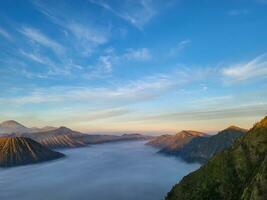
(21, 151)
(169, 143)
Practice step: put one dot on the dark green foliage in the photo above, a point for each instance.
(240, 172)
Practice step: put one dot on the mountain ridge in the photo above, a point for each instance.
(11, 126)
(63, 137)
(14, 127)
(201, 149)
(237, 173)
(168, 143)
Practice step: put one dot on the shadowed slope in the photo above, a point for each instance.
(21, 151)
(239, 172)
(201, 149)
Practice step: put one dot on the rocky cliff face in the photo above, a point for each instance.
(21, 151)
(238, 173)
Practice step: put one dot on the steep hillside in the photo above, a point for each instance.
(161, 141)
(58, 138)
(172, 143)
(201, 149)
(168, 143)
(21, 151)
(238, 173)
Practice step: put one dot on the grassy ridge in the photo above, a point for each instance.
(239, 172)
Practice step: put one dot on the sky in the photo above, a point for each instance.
(149, 66)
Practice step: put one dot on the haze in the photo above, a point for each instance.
(118, 171)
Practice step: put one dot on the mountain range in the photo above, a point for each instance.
(21, 151)
(237, 173)
(201, 149)
(11, 126)
(193, 146)
(61, 137)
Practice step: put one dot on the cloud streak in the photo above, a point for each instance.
(88, 35)
(136, 12)
(253, 69)
(180, 47)
(200, 115)
(144, 89)
(5, 34)
(40, 38)
(141, 54)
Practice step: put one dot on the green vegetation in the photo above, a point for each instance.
(239, 172)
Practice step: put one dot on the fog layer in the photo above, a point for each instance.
(118, 171)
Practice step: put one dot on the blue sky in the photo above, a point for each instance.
(134, 65)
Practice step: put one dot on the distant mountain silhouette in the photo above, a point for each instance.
(61, 137)
(201, 149)
(46, 128)
(98, 139)
(11, 126)
(171, 143)
(21, 151)
(240, 172)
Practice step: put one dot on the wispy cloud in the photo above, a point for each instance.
(105, 63)
(256, 68)
(136, 12)
(141, 54)
(106, 114)
(213, 100)
(5, 34)
(40, 38)
(83, 32)
(64, 67)
(88, 35)
(34, 57)
(237, 12)
(206, 114)
(180, 47)
(102, 69)
(131, 92)
(144, 89)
